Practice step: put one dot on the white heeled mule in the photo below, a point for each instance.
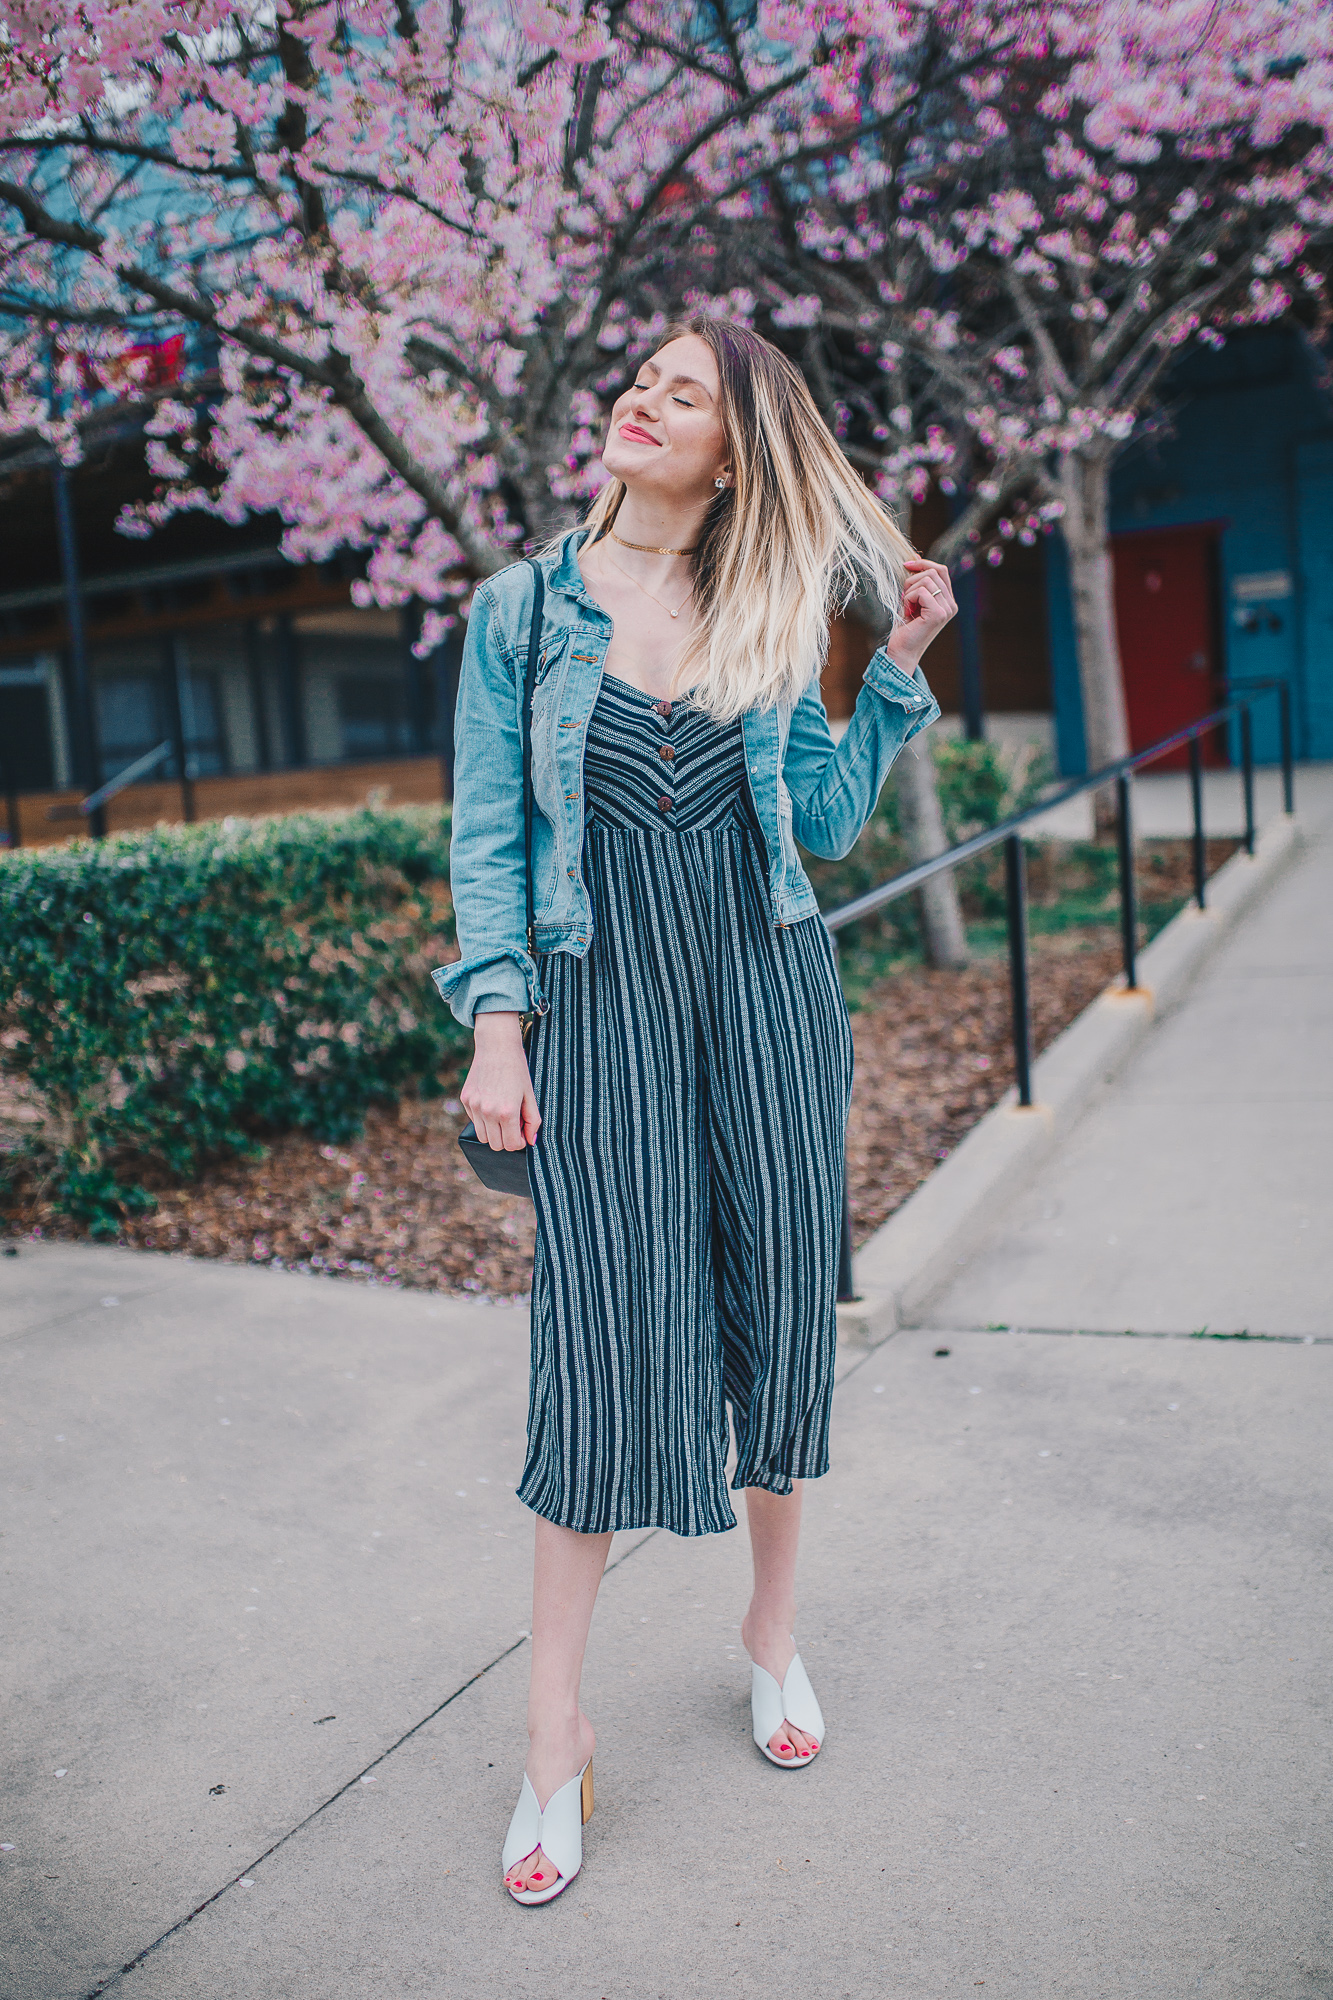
(558, 1832)
(794, 1702)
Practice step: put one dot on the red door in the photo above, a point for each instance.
(1165, 609)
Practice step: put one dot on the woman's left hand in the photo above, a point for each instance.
(928, 605)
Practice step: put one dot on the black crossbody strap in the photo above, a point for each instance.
(529, 689)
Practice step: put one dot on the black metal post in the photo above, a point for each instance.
(83, 721)
(1196, 794)
(171, 674)
(254, 672)
(1288, 761)
(969, 657)
(1016, 894)
(289, 692)
(13, 824)
(1129, 912)
(448, 660)
(846, 1288)
(1247, 773)
(418, 681)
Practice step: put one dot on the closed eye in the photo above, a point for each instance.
(684, 401)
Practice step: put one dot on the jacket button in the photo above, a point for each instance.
(666, 753)
(663, 708)
(664, 804)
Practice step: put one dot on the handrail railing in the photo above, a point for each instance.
(1009, 832)
(88, 808)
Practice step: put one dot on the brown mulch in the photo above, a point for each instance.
(401, 1207)
(934, 1052)
(399, 1204)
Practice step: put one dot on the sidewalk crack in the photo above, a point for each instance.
(113, 1978)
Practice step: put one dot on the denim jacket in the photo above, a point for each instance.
(803, 786)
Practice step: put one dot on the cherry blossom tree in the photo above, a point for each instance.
(418, 243)
(994, 294)
(420, 237)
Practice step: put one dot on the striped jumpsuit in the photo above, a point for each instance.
(693, 1076)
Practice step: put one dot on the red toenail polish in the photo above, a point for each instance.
(537, 1878)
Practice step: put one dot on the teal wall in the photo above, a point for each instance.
(1248, 443)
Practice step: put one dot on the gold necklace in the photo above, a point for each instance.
(642, 548)
(643, 587)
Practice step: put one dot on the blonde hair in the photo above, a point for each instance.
(795, 538)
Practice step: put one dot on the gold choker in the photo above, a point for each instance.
(643, 549)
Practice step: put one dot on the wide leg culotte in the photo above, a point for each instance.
(693, 1076)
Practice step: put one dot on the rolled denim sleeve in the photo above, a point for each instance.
(494, 972)
(835, 787)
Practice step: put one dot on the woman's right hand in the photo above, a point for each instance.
(498, 1094)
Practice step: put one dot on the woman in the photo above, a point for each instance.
(691, 1060)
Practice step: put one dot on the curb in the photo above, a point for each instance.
(913, 1254)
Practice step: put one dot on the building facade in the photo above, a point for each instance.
(1222, 526)
(259, 686)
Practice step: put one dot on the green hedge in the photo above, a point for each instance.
(182, 993)
(179, 993)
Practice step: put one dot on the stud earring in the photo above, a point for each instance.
(720, 484)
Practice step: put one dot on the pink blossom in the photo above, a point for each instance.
(438, 236)
(801, 311)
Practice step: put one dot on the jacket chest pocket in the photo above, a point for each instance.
(554, 651)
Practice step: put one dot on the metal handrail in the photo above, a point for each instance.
(991, 836)
(1009, 832)
(85, 808)
(138, 769)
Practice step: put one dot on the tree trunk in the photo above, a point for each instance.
(922, 826)
(1085, 488)
(545, 515)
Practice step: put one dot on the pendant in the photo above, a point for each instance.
(675, 614)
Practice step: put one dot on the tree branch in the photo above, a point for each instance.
(156, 156)
(843, 141)
(1039, 334)
(982, 513)
(335, 373)
(1150, 343)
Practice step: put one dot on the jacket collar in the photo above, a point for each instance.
(560, 567)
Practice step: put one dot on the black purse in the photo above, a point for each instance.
(505, 1172)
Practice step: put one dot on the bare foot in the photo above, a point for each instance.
(771, 1647)
(554, 1757)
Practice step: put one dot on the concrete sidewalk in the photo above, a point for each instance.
(1064, 1601)
(1198, 1192)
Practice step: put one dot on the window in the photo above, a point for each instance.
(130, 720)
(27, 762)
(372, 709)
(357, 692)
(134, 710)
